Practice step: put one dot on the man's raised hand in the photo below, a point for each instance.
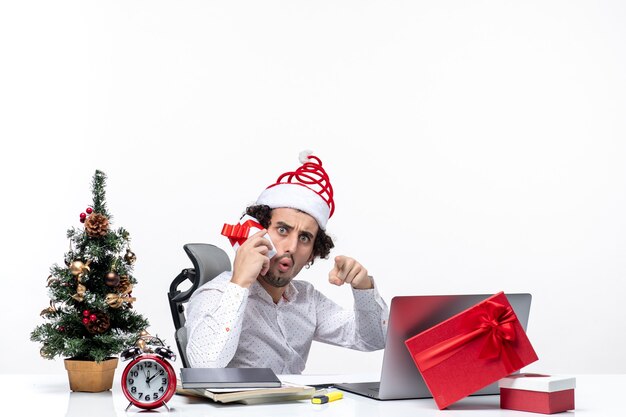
(251, 259)
(348, 270)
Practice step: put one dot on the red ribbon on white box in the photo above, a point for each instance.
(239, 233)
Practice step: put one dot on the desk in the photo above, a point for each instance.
(49, 396)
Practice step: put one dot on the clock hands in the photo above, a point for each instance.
(150, 378)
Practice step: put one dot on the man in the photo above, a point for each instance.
(258, 315)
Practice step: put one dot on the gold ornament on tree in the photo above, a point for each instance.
(80, 291)
(97, 225)
(124, 288)
(48, 310)
(112, 279)
(130, 257)
(117, 300)
(78, 269)
(145, 341)
(141, 344)
(43, 354)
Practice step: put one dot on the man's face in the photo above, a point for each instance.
(293, 234)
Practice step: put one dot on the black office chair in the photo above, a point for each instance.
(208, 262)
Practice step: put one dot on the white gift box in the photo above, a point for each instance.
(547, 394)
(252, 230)
(538, 382)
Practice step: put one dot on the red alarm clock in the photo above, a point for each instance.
(149, 380)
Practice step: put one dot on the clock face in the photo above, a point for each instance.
(148, 381)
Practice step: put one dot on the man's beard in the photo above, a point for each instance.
(275, 281)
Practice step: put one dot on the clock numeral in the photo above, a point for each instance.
(164, 381)
(133, 390)
(134, 373)
(131, 381)
(155, 395)
(161, 389)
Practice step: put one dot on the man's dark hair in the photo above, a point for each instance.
(322, 245)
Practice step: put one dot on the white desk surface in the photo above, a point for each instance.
(50, 396)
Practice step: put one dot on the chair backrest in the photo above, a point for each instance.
(208, 262)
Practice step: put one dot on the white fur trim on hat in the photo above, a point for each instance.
(296, 196)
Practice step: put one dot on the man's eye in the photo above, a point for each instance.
(304, 239)
(282, 230)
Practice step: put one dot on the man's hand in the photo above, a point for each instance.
(348, 270)
(251, 260)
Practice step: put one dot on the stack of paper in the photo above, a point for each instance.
(243, 385)
(286, 392)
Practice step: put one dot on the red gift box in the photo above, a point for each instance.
(537, 393)
(471, 350)
(239, 232)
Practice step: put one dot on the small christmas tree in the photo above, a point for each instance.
(91, 315)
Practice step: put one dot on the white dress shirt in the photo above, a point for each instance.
(231, 326)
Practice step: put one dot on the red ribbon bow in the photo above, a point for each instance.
(238, 233)
(492, 321)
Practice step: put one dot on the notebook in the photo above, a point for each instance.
(408, 316)
(228, 378)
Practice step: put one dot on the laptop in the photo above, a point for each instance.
(408, 316)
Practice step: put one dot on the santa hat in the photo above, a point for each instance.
(307, 189)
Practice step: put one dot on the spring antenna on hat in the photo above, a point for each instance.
(312, 175)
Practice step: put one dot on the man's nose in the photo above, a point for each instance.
(290, 243)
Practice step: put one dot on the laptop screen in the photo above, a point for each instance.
(410, 315)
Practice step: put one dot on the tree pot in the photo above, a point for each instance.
(90, 376)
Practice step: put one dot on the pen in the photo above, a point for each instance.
(331, 396)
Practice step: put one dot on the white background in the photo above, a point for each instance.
(473, 147)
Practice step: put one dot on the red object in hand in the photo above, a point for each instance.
(471, 350)
(238, 233)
